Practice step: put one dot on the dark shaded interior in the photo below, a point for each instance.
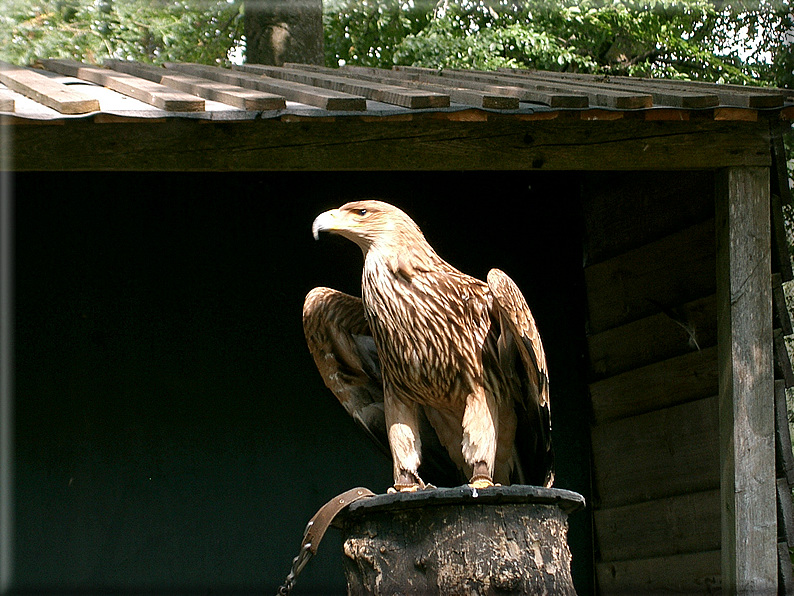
(172, 433)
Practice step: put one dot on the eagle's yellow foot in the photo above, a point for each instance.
(404, 489)
(480, 479)
(407, 482)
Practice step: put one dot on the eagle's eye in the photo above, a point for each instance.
(361, 212)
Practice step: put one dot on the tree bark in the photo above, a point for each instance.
(279, 31)
(505, 540)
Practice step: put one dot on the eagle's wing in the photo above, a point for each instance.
(341, 343)
(523, 362)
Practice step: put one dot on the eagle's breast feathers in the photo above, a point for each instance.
(445, 357)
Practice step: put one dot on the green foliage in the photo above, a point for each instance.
(153, 31)
(745, 41)
(367, 33)
(689, 39)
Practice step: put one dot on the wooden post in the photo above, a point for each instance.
(501, 540)
(747, 447)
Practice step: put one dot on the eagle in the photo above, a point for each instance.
(443, 371)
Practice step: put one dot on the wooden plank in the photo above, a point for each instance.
(673, 270)
(664, 91)
(154, 94)
(503, 99)
(245, 99)
(597, 96)
(656, 386)
(407, 98)
(506, 144)
(785, 573)
(661, 454)
(554, 100)
(783, 452)
(780, 172)
(735, 114)
(7, 101)
(623, 211)
(325, 99)
(747, 450)
(781, 196)
(662, 96)
(782, 359)
(732, 95)
(781, 311)
(676, 331)
(688, 573)
(785, 512)
(674, 525)
(781, 257)
(44, 90)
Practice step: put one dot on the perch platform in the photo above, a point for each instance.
(461, 541)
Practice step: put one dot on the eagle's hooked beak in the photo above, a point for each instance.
(325, 222)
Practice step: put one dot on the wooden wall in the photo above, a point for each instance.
(652, 336)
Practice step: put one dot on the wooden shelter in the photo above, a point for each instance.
(672, 416)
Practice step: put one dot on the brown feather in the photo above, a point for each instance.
(443, 338)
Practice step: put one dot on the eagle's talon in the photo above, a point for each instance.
(406, 488)
(481, 481)
(408, 482)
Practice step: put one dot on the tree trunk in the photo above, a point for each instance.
(504, 540)
(279, 31)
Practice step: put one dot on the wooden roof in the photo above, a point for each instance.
(63, 89)
(136, 117)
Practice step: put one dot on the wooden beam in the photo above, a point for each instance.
(785, 457)
(782, 315)
(663, 95)
(782, 359)
(7, 102)
(601, 96)
(677, 268)
(663, 453)
(623, 211)
(781, 197)
(785, 512)
(325, 99)
(733, 95)
(662, 527)
(785, 574)
(428, 143)
(660, 385)
(674, 332)
(400, 96)
(689, 573)
(44, 90)
(554, 100)
(747, 445)
(494, 98)
(779, 169)
(154, 94)
(245, 99)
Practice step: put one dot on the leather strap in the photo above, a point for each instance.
(315, 530)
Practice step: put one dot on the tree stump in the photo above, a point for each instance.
(460, 541)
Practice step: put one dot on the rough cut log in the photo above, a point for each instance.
(449, 541)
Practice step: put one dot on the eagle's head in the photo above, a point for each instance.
(370, 224)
